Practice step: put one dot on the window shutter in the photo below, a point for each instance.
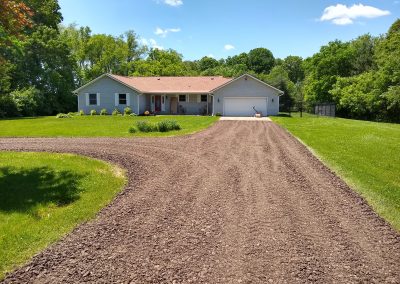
(128, 99)
(116, 99)
(87, 99)
(198, 98)
(187, 98)
(98, 99)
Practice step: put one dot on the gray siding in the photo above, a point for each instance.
(247, 88)
(107, 88)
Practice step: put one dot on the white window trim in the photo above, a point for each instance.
(87, 99)
(128, 99)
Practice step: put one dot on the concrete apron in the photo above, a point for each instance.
(249, 118)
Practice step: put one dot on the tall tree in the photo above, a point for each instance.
(261, 60)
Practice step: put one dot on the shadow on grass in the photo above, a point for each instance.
(24, 190)
(284, 114)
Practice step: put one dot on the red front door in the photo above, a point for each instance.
(157, 103)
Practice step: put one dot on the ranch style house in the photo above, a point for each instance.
(200, 95)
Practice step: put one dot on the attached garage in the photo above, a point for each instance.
(244, 106)
(244, 96)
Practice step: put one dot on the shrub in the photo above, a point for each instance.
(132, 129)
(93, 112)
(218, 114)
(145, 126)
(81, 112)
(27, 101)
(127, 111)
(116, 112)
(168, 125)
(133, 114)
(63, 115)
(103, 112)
(72, 113)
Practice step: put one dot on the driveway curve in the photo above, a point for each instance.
(241, 202)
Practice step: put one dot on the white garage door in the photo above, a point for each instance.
(244, 106)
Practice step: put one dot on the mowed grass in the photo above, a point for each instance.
(97, 126)
(43, 196)
(365, 154)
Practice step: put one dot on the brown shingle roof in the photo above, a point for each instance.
(173, 84)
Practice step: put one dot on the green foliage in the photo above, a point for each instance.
(27, 101)
(103, 111)
(279, 78)
(63, 115)
(81, 112)
(116, 112)
(293, 65)
(145, 126)
(93, 112)
(168, 125)
(260, 60)
(132, 129)
(127, 111)
(207, 63)
(218, 114)
(8, 107)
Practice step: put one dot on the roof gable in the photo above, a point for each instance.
(245, 76)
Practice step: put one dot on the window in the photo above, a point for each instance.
(122, 99)
(203, 98)
(92, 99)
(182, 98)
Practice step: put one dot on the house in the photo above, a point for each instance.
(242, 96)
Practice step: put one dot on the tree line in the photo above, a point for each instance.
(42, 62)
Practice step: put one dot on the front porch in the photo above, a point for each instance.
(194, 104)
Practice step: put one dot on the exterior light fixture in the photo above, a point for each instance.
(272, 100)
(218, 99)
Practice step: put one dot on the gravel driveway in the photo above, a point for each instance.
(241, 202)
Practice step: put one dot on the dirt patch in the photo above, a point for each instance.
(242, 202)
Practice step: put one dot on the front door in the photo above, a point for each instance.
(157, 103)
(174, 105)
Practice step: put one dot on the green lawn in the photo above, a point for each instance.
(365, 154)
(43, 196)
(96, 126)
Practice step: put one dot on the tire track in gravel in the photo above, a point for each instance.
(241, 202)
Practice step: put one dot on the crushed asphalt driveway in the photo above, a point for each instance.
(241, 202)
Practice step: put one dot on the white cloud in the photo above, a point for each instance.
(163, 33)
(343, 15)
(228, 47)
(151, 43)
(211, 55)
(173, 2)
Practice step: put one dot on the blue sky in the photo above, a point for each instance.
(221, 28)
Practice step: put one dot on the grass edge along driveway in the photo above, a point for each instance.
(43, 196)
(365, 154)
(98, 126)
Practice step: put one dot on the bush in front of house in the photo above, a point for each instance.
(93, 112)
(168, 125)
(161, 126)
(145, 126)
(63, 115)
(132, 129)
(103, 112)
(218, 114)
(116, 112)
(127, 111)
